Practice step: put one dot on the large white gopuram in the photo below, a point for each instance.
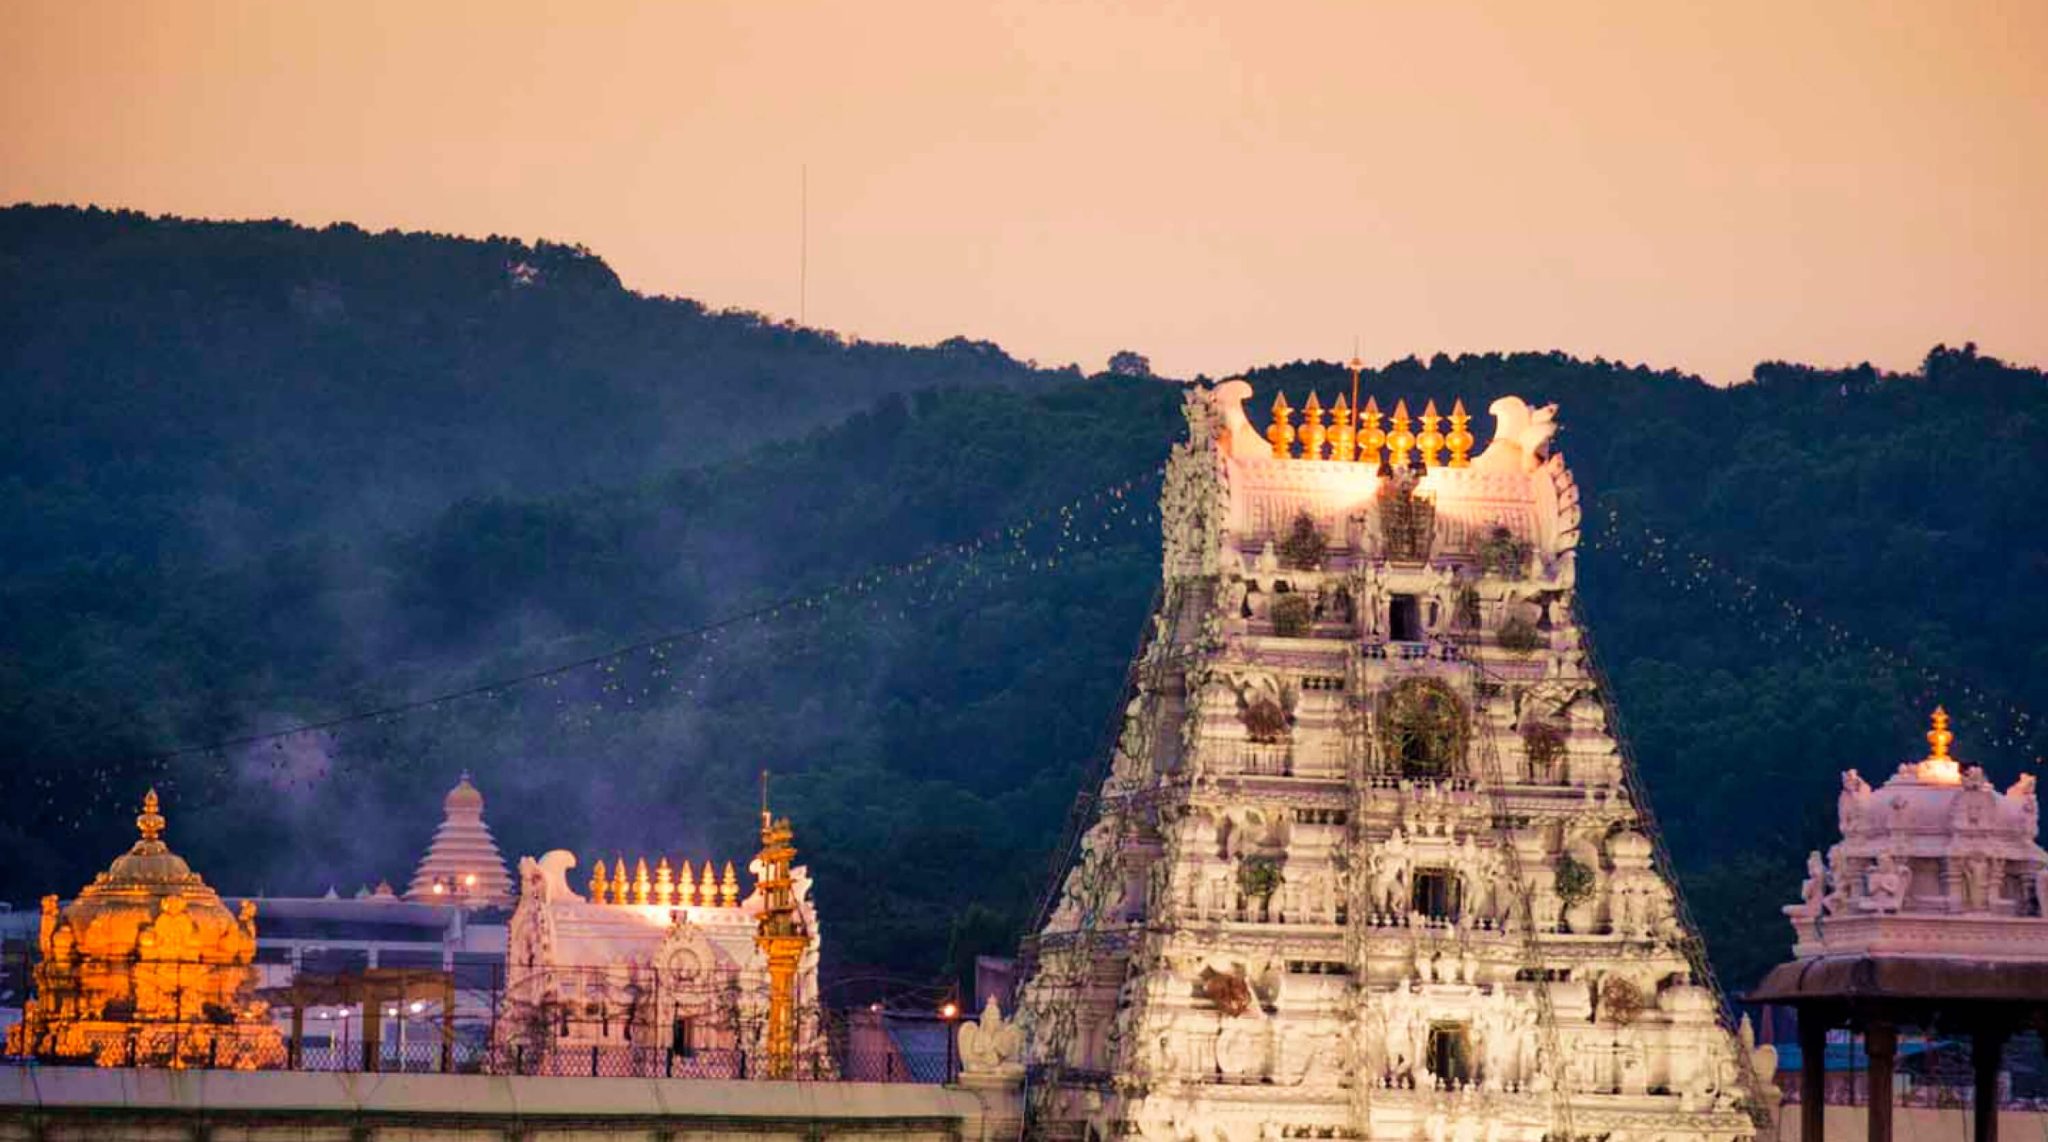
(1368, 862)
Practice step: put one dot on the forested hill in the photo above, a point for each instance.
(1781, 576)
(225, 384)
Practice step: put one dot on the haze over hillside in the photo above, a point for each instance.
(255, 475)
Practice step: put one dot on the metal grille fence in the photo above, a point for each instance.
(612, 1021)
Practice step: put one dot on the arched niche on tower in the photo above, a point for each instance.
(1424, 730)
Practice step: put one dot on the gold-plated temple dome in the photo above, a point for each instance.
(147, 965)
(150, 861)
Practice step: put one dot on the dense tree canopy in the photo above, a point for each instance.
(256, 475)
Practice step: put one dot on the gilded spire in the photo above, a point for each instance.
(664, 884)
(686, 888)
(598, 885)
(1343, 431)
(707, 889)
(1312, 432)
(151, 823)
(1431, 439)
(641, 884)
(729, 887)
(1280, 433)
(1399, 438)
(1370, 438)
(1939, 738)
(1460, 439)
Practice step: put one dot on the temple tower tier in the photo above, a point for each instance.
(1368, 862)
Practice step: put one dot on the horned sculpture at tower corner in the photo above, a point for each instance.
(1368, 859)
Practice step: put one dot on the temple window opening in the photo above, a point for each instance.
(1450, 1053)
(1404, 622)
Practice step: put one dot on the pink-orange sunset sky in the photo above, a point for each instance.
(1697, 185)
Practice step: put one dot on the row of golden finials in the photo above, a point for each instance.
(1361, 442)
(664, 888)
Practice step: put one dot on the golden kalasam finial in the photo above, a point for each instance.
(707, 889)
(1312, 432)
(1460, 439)
(664, 884)
(1399, 439)
(1431, 439)
(1370, 438)
(729, 888)
(642, 884)
(1343, 431)
(1939, 737)
(619, 880)
(150, 823)
(598, 885)
(686, 889)
(1280, 433)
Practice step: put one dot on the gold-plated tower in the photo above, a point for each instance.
(598, 885)
(1312, 432)
(1343, 432)
(782, 937)
(1431, 438)
(1399, 439)
(1370, 438)
(1280, 433)
(1460, 438)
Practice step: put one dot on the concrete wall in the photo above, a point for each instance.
(63, 1104)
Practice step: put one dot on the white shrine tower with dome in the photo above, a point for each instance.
(462, 865)
(1936, 862)
(1368, 861)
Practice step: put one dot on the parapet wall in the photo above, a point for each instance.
(48, 1104)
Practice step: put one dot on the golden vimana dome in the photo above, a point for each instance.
(147, 966)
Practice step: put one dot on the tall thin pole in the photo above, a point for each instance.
(803, 258)
(1355, 365)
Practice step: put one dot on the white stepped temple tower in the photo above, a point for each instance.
(462, 865)
(1368, 862)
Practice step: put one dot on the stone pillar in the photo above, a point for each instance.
(1987, 1052)
(447, 1021)
(1881, 1043)
(1002, 1102)
(1813, 1075)
(373, 1030)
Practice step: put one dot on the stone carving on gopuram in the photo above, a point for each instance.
(147, 968)
(1368, 861)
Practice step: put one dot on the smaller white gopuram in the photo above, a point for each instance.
(1936, 862)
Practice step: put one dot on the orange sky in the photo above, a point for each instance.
(1699, 185)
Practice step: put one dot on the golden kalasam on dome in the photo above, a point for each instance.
(147, 968)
